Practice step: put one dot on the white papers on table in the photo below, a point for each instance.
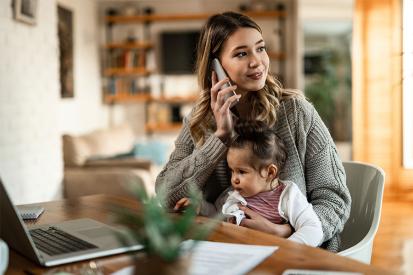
(225, 258)
(221, 258)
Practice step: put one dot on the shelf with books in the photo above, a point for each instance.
(130, 45)
(174, 99)
(145, 97)
(165, 114)
(128, 19)
(123, 97)
(126, 58)
(122, 71)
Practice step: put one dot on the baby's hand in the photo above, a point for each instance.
(232, 220)
(182, 204)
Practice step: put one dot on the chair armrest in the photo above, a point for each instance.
(120, 163)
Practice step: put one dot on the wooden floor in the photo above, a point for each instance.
(396, 226)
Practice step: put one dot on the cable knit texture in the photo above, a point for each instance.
(312, 163)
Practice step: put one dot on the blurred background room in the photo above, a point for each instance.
(93, 93)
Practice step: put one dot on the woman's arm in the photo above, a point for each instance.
(326, 179)
(188, 166)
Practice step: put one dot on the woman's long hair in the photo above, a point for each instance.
(264, 103)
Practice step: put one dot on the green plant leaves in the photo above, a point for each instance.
(160, 232)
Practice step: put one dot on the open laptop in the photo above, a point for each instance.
(59, 243)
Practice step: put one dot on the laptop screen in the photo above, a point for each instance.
(12, 228)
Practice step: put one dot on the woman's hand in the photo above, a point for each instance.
(258, 222)
(220, 106)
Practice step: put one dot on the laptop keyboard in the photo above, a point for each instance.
(53, 241)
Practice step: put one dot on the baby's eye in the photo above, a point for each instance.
(242, 171)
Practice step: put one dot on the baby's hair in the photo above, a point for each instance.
(266, 146)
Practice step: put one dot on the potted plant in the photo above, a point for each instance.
(161, 233)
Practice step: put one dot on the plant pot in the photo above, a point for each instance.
(154, 265)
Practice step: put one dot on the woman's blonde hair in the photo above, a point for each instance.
(264, 103)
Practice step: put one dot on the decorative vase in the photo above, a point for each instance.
(154, 265)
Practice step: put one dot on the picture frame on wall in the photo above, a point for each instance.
(25, 11)
(65, 36)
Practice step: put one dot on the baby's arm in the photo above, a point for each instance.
(301, 216)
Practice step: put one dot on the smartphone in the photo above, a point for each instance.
(216, 66)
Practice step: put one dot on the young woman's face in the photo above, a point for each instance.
(245, 178)
(245, 59)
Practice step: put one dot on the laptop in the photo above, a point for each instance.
(60, 243)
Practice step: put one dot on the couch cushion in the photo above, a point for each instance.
(155, 150)
(128, 162)
(101, 143)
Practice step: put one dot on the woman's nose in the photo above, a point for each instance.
(254, 61)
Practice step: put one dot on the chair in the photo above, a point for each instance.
(366, 184)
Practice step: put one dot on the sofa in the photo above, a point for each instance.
(101, 162)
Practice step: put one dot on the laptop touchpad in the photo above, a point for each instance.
(97, 232)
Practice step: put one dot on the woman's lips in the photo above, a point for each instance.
(255, 76)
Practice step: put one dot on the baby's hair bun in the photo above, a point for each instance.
(251, 129)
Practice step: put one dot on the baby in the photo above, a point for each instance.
(255, 159)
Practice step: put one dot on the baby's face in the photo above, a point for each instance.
(245, 178)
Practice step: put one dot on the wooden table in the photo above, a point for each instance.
(290, 255)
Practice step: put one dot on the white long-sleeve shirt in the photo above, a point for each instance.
(293, 207)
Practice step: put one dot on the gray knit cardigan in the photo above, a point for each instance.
(312, 163)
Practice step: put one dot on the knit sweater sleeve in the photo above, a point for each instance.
(188, 166)
(325, 177)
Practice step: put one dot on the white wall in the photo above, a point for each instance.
(30, 155)
(32, 114)
(86, 111)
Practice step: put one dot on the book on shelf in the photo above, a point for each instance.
(129, 59)
(127, 85)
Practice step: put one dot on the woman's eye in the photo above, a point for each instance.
(241, 54)
(262, 49)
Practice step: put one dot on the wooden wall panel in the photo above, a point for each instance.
(377, 117)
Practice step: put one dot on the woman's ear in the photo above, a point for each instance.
(272, 171)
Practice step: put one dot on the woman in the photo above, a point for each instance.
(199, 158)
